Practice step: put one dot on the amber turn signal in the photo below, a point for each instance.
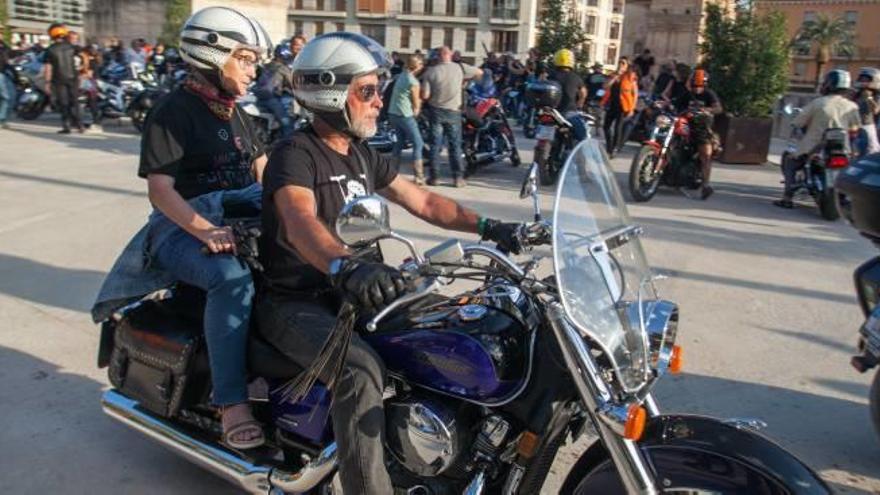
(636, 417)
(675, 361)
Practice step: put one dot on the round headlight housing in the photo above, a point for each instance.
(663, 121)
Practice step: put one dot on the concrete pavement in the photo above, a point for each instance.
(769, 317)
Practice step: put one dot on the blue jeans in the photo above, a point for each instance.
(230, 290)
(446, 123)
(276, 107)
(407, 129)
(7, 97)
(578, 127)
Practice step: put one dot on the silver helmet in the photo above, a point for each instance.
(211, 35)
(869, 78)
(325, 68)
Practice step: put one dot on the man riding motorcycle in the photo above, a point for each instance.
(574, 91)
(832, 110)
(309, 271)
(706, 105)
(275, 81)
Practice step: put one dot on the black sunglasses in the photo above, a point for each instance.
(367, 92)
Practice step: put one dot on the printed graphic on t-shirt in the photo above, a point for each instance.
(350, 188)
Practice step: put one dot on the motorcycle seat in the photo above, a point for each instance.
(266, 361)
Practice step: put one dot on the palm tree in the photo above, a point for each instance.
(830, 37)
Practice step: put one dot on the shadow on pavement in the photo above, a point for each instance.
(72, 183)
(63, 442)
(841, 435)
(817, 339)
(126, 143)
(57, 286)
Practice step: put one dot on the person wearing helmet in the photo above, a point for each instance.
(309, 271)
(574, 91)
(198, 141)
(706, 105)
(867, 89)
(274, 83)
(832, 110)
(62, 78)
(621, 94)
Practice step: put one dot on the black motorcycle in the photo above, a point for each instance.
(485, 386)
(858, 200)
(32, 100)
(487, 137)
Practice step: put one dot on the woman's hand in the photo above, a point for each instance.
(218, 239)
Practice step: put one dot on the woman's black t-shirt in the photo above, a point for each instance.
(306, 161)
(184, 139)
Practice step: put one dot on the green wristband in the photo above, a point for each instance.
(481, 225)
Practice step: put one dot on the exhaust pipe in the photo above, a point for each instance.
(250, 477)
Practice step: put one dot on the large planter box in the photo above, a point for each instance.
(745, 140)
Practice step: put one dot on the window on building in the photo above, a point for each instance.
(429, 7)
(319, 4)
(614, 31)
(405, 35)
(611, 55)
(472, 6)
(851, 16)
(592, 3)
(340, 26)
(590, 25)
(800, 69)
(375, 31)
(470, 40)
(319, 28)
(426, 38)
(587, 50)
(504, 41)
(505, 9)
(617, 7)
(340, 6)
(406, 7)
(298, 4)
(297, 27)
(448, 34)
(450, 7)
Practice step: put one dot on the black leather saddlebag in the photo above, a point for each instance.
(158, 358)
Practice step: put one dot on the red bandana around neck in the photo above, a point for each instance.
(220, 105)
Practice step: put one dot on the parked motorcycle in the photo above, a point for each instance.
(668, 157)
(554, 135)
(487, 137)
(268, 128)
(817, 176)
(32, 99)
(484, 387)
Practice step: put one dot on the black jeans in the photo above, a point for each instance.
(298, 328)
(789, 171)
(613, 126)
(65, 94)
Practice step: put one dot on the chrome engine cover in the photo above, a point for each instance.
(424, 433)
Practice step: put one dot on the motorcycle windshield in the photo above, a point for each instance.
(604, 281)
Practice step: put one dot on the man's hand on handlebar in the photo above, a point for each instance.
(372, 285)
(514, 237)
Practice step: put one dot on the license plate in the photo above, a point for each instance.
(545, 132)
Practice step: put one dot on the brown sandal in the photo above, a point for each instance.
(252, 425)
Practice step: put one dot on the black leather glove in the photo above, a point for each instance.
(371, 285)
(506, 235)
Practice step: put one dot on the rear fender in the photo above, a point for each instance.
(684, 449)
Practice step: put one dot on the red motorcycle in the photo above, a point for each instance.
(667, 157)
(486, 135)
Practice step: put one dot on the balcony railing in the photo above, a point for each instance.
(506, 13)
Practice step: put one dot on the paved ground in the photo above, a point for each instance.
(768, 314)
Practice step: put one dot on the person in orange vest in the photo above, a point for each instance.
(621, 94)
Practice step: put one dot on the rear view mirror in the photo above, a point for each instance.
(363, 220)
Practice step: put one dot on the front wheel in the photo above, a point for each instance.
(644, 178)
(828, 205)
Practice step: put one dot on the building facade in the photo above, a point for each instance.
(602, 20)
(29, 20)
(669, 28)
(862, 15)
(474, 27)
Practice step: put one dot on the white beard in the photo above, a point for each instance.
(364, 129)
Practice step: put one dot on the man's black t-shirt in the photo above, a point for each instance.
(60, 56)
(571, 83)
(707, 98)
(306, 161)
(184, 139)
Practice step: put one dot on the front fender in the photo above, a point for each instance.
(702, 452)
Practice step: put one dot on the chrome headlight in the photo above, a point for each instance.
(663, 121)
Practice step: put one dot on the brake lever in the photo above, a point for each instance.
(426, 289)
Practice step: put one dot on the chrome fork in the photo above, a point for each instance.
(627, 457)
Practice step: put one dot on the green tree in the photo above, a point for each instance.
(4, 22)
(558, 29)
(176, 13)
(829, 37)
(747, 57)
